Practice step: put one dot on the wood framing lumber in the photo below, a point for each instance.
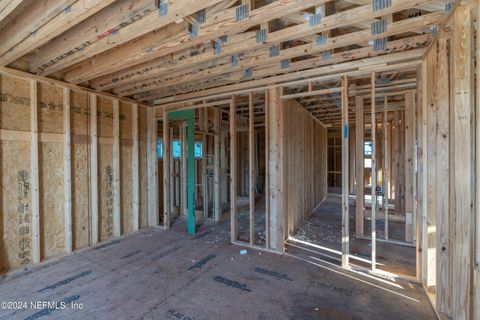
(8, 6)
(477, 179)
(34, 172)
(443, 170)
(38, 14)
(359, 168)
(67, 171)
(386, 158)
(93, 168)
(166, 170)
(73, 14)
(233, 169)
(217, 25)
(463, 184)
(116, 169)
(377, 63)
(216, 163)
(345, 176)
(135, 170)
(267, 169)
(408, 147)
(277, 200)
(373, 220)
(130, 26)
(251, 166)
(263, 63)
(141, 79)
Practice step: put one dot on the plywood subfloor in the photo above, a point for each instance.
(156, 274)
(323, 229)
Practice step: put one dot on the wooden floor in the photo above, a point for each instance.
(158, 274)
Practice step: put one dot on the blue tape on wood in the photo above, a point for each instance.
(345, 131)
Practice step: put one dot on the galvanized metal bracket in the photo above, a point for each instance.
(448, 7)
(321, 40)
(162, 6)
(248, 72)
(380, 44)
(193, 28)
(379, 27)
(261, 35)
(285, 64)
(274, 51)
(381, 4)
(235, 60)
(217, 46)
(201, 16)
(242, 12)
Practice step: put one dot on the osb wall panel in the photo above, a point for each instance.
(80, 117)
(125, 116)
(50, 109)
(126, 189)
(105, 190)
(52, 235)
(105, 117)
(15, 104)
(143, 185)
(79, 113)
(80, 196)
(142, 134)
(15, 180)
(15, 214)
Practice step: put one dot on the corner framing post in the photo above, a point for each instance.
(166, 170)
(463, 80)
(233, 169)
(443, 191)
(117, 228)
(360, 164)
(135, 169)
(345, 176)
(373, 220)
(251, 166)
(67, 171)
(34, 171)
(93, 168)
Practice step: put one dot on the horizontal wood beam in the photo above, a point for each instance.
(71, 16)
(130, 23)
(136, 54)
(172, 77)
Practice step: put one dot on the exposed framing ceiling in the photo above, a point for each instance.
(133, 49)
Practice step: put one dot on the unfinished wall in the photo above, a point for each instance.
(16, 212)
(446, 167)
(297, 166)
(305, 164)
